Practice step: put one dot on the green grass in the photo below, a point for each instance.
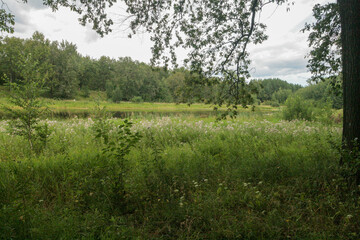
(187, 178)
(72, 105)
(83, 108)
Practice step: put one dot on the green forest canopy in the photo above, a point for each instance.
(67, 74)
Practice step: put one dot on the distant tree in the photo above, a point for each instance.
(281, 95)
(87, 73)
(11, 50)
(64, 82)
(267, 87)
(188, 87)
(105, 72)
(127, 77)
(176, 83)
(321, 93)
(149, 85)
(58, 63)
(116, 94)
(40, 49)
(133, 78)
(197, 86)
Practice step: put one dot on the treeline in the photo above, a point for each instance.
(274, 90)
(56, 63)
(67, 74)
(323, 93)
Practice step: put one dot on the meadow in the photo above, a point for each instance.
(84, 107)
(179, 178)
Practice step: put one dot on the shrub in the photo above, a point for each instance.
(337, 117)
(137, 99)
(323, 112)
(298, 108)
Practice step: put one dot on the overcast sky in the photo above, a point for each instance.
(281, 56)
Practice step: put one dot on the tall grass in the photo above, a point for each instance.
(185, 179)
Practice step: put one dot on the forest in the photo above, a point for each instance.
(103, 148)
(68, 75)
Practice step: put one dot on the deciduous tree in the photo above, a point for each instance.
(335, 42)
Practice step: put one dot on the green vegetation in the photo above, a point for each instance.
(322, 93)
(68, 75)
(85, 106)
(275, 89)
(189, 176)
(183, 179)
(28, 108)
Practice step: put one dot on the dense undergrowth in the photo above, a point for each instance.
(186, 179)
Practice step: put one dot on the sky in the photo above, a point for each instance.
(281, 56)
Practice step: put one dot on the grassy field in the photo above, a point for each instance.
(84, 108)
(187, 177)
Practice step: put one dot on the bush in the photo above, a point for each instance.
(298, 108)
(323, 112)
(137, 99)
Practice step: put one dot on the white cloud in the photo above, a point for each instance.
(278, 59)
(283, 55)
(91, 36)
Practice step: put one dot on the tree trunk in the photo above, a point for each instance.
(350, 39)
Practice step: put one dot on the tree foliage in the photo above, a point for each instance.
(268, 87)
(56, 62)
(28, 107)
(324, 39)
(216, 34)
(90, 11)
(322, 93)
(67, 74)
(6, 19)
